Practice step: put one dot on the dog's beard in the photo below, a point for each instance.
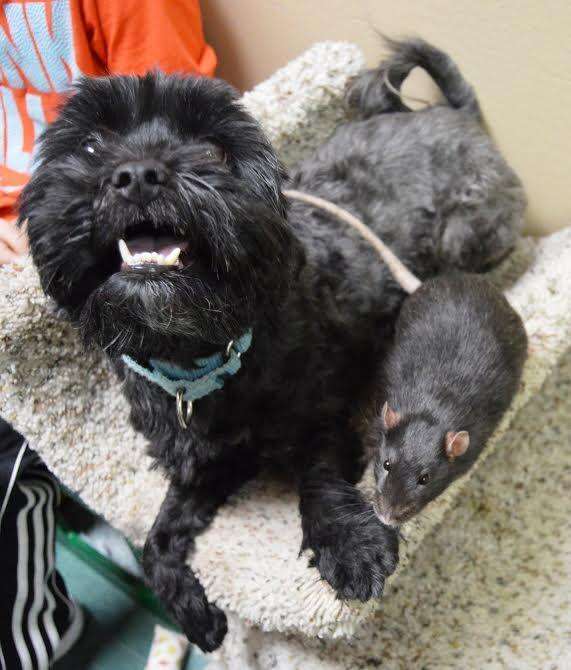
(140, 314)
(236, 255)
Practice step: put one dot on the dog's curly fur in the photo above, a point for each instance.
(320, 305)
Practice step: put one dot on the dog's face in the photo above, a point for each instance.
(155, 213)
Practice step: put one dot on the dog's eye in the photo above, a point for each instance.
(423, 479)
(89, 145)
(216, 153)
(387, 465)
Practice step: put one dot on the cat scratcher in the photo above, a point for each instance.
(69, 405)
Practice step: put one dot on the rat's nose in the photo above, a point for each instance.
(383, 511)
(139, 181)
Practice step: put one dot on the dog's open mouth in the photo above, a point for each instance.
(146, 249)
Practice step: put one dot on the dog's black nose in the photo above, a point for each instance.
(139, 181)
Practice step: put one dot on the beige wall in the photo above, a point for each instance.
(517, 53)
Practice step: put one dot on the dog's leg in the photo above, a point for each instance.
(187, 510)
(351, 548)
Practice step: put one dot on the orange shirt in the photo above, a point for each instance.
(46, 44)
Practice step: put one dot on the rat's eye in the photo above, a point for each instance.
(423, 479)
(387, 465)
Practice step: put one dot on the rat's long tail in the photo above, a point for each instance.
(378, 90)
(399, 271)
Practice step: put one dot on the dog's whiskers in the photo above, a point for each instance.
(77, 238)
(112, 342)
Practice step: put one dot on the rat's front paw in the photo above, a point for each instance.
(356, 558)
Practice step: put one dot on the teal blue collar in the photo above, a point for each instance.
(207, 375)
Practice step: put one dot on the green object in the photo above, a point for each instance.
(128, 584)
(121, 611)
(118, 630)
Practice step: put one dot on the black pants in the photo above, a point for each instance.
(38, 621)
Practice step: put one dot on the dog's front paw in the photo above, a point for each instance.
(183, 596)
(203, 623)
(357, 559)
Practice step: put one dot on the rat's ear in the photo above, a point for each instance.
(390, 417)
(456, 444)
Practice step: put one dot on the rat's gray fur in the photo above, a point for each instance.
(431, 178)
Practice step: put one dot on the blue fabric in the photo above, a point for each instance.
(208, 375)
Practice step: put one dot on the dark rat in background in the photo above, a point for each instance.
(451, 373)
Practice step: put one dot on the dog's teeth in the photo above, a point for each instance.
(152, 257)
(125, 253)
(142, 257)
(172, 258)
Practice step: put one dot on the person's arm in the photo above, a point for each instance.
(13, 241)
(135, 36)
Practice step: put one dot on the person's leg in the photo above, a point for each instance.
(39, 622)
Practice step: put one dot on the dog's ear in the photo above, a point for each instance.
(265, 175)
(256, 161)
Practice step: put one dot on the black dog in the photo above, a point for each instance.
(176, 169)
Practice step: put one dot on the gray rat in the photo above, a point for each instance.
(452, 371)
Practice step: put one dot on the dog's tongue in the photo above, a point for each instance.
(162, 244)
